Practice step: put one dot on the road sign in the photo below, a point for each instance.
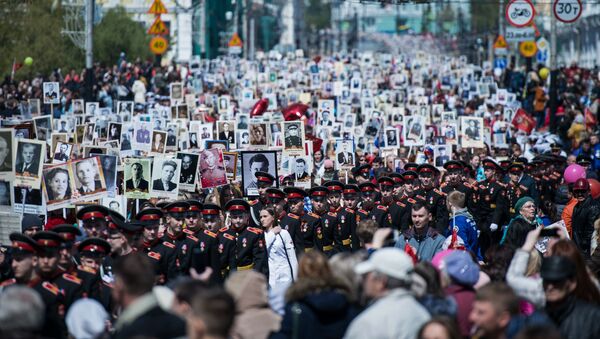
(528, 48)
(543, 53)
(514, 34)
(520, 13)
(567, 10)
(500, 42)
(500, 63)
(157, 8)
(235, 41)
(159, 45)
(158, 27)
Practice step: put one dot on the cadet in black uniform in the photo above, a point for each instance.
(519, 185)
(310, 223)
(411, 186)
(454, 182)
(292, 222)
(362, 173)
(91, 253)
(492, 205)
(93, 220)
(334, 198)
(206, 253)
(318, 196)
(242, 247)
(398, 191)
(211, 218)
(394, 207)
(369, 209)
(264, 180)
(180, 245)
(345, 237)
(435, 198)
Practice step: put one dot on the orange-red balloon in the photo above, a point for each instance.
(594, 188)
(259, 108)
(294, 111)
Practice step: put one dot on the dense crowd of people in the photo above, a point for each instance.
(348, 196)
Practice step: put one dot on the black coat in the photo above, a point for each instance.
(576, 319)
(155, 323)
(584, 215)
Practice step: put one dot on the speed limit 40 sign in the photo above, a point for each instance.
(567, 10)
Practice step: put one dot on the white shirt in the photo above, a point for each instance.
(278, 245)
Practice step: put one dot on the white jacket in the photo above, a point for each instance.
(283, 264)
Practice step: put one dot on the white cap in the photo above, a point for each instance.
(390, 261)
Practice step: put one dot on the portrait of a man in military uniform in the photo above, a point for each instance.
(212, 170)
(293, 135)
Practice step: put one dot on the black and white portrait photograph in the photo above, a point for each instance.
(88, 179)
(143, 135)
(57, 186)
(471, 131)
(172, 136)
(242, 121)
(158, 142)
(258, 134)
(51, 93)
(176, 92)
(34, 107)
(230, 163)
(28, 200)
(226, 131)
(205, 131)
(252, 162)
(189, 171)
(114, 131)
(441, 153)
(223, 145)
(62, 152)
(300, 166)
(293, 136)
(92, 108)
(63, 126)
(450, 132)
(109, 170)
(6, 195)
(117, 204)
(6, 152)
(165, 177)
(89, 134)
(137, 178)
(414, 134)
(392, 138)
(344, 153)
(77, 106)
(223, 105)
(28, 159)
(124, 107)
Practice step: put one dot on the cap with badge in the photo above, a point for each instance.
(68, 233)
(411, 166)
(47, 241)
(210, 211)
(92, 213)
(397, 178)
(294, 194)
(275, 195)
(195, 207)
(410, 176)
(150, 215)
(351, 191)
(318, 193)
(362, 170)
(177, 209)
(93, 248)
(367, 188)
(490, 164)
(264, 178)
(516, 168)
(386, 183)
(427, 169)
(119, 225)
(22, 244)
(453, 166)
(334, 186)
(236, 206)
(583, 160)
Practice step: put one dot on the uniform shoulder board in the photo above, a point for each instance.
(381, 207)
(501, 184)
(168, 244)
(411, 200)
(253, 202)
(51, 287)
(193, 238)
(210, 234)
(482, 187)
(333, 214)
(363, 211)
(523, 187)
(401, 204)
(154, 255)
(8, 282)
(349, 210)
(188, 231)
(293, 216)
(228, 236)
(420, 197)
(444, 184)
(439, 192)
(314, 215)
(223, 229)
(466, 184)
(71, 278)
(545, 177)
(86, 269)
(255, 230)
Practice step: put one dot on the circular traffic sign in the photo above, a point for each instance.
(528, 48)
(159, 45)
(567, 11)
(520, 13)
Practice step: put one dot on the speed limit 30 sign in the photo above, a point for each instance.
(567, 11)
(520, 13)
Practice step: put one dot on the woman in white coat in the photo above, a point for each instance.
(283, 264)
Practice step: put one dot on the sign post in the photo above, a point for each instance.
(158, 44)
(567, 11)
(520, 13)
(235, 44)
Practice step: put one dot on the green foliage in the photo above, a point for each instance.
(117, 33)
(32, 29)
(318, 14)
(484, 16)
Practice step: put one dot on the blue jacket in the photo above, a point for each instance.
(427, 245)
(466, 229)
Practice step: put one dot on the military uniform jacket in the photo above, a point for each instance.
(329, 222)
(291, 223)
(379, 213)
(206, 253)
(514, 192)
(90, 280)
(69, 285)
(470, 191)
(492, 203)
(182, 252)
(255, 207)
(344, 235)
(395, 212)
(312, 231)
(162, 257)
(436, 200)
(243, 250)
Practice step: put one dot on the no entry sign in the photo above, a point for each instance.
(567, 11)
(520, 13)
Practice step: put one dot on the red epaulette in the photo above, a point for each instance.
(411, 200)
(51, 287)
(545, 177)
(400, 204)
(420, 197)
(253, 202)
(333, 214)
(439, 192)
(363, 211)
(501, 184)
(154, 255)
(293, 216)
(71, 278)
(86, 269)
(228, 236)
(444, 184)
(523, 187)
(210, 234)
(482, 187)
(254, 230)
(8, 282)
(381, 207)
(350, 210)
(191, 237)
(223, 229)
(188, 231)
(314, 215)
(168, 244)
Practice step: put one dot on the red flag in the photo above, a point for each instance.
(522, 121)
(590, 118)
(411, 252)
